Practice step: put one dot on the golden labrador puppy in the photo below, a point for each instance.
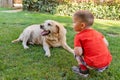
(49, 34)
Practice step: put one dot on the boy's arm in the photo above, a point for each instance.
(78, 51)
(106, 42)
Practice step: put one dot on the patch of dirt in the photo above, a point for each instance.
(113, 35)
(12, 11)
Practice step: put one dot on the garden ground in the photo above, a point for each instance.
(19, 64)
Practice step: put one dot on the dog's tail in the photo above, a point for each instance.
(18, 39)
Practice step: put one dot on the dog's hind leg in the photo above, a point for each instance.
(25, 39)
(24, 43)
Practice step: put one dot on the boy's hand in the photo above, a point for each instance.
(78, 51)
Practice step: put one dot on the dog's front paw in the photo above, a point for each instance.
(48, 55)
(26, 47)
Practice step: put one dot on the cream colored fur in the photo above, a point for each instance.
(56, 37)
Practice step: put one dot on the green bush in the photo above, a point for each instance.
(40, 5)
(100, 11)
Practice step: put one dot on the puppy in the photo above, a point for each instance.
(49, 34)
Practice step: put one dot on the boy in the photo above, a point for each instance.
(90, 46)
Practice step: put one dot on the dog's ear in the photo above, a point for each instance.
(58, 29)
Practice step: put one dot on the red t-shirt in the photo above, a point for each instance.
(95, 51)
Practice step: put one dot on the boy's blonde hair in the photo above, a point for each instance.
(85, 16)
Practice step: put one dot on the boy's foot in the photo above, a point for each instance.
(83, 73)
(102, 69)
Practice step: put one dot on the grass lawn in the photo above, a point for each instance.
(19, 64)
(5, 9)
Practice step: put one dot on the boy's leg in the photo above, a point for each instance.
(84, 66)
(81, 62)
(81, 69)
(102, 69)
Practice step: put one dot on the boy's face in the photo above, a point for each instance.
(78, 25)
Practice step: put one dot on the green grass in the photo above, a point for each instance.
(2, 9)
(19, 64)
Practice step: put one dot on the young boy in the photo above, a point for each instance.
(90, 46)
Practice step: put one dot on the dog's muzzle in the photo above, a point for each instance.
(45, 32)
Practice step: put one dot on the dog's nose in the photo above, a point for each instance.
(41, 26)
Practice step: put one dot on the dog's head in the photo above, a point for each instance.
(49, 26)
(44, 32)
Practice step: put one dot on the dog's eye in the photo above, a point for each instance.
(49, 24)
